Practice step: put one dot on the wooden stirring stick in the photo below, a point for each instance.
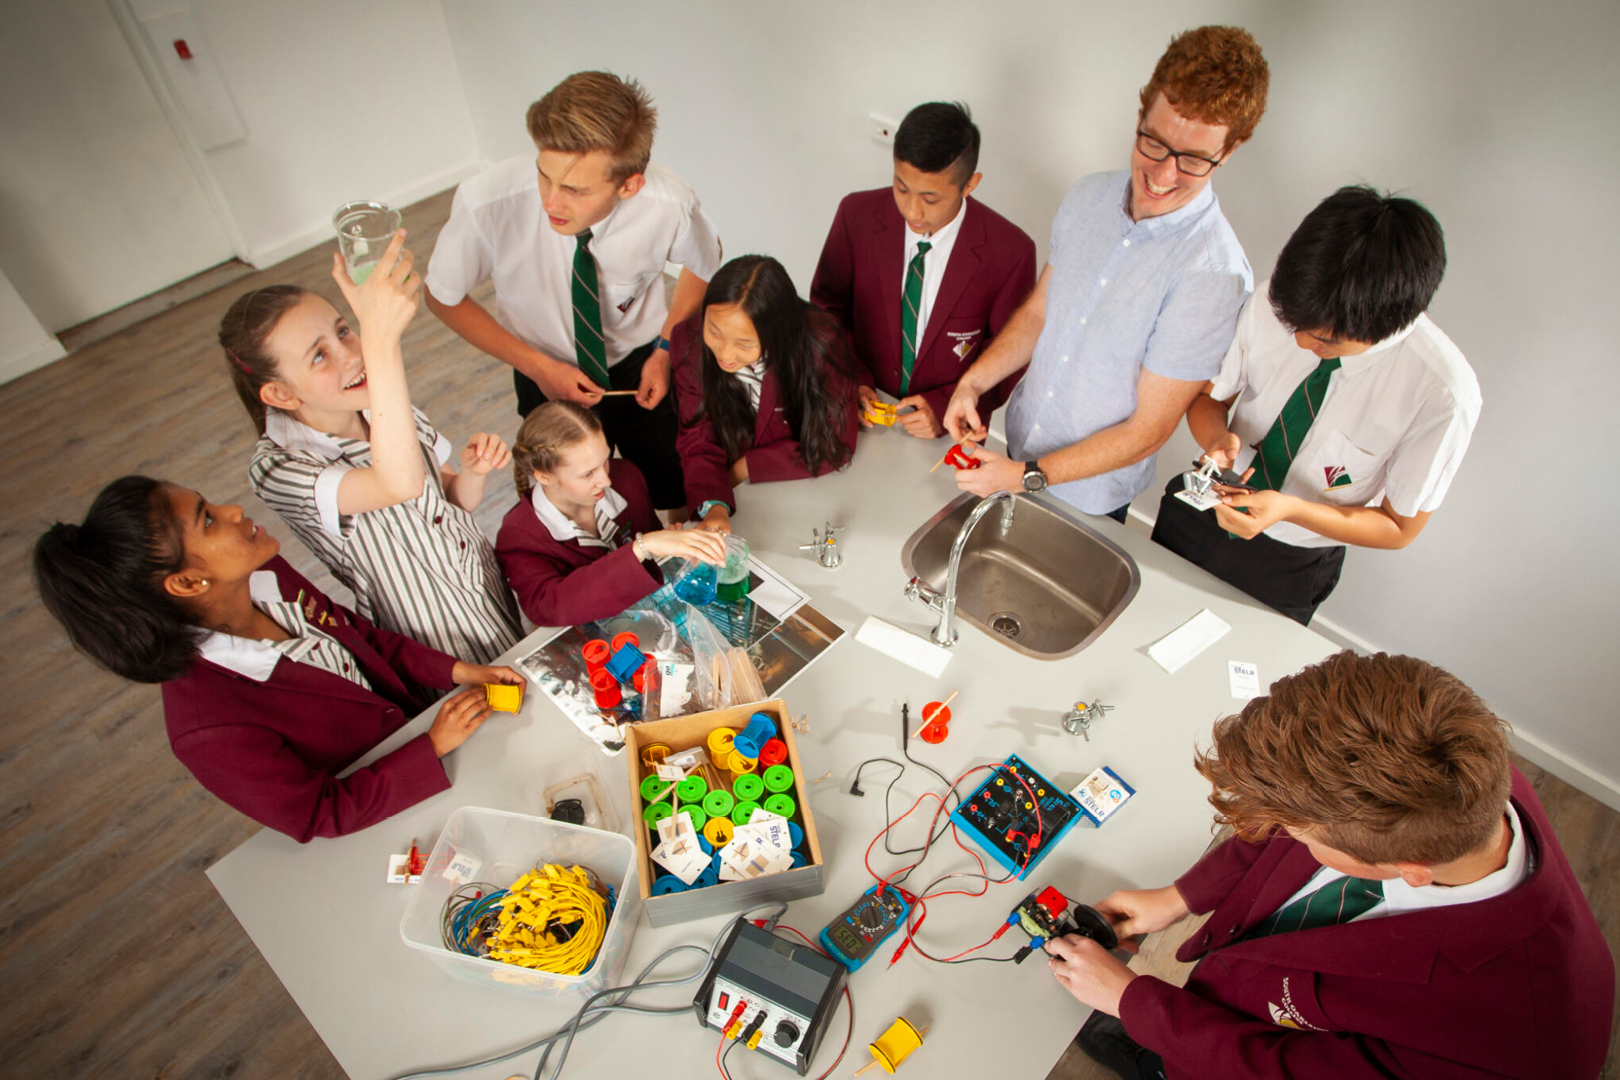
(937, 710)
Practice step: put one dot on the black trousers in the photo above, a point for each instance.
(1103, 1039)
(643, 437)
(1289, 579)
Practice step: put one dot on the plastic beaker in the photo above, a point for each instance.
(732, 580)
(695, 582)
(364, 229)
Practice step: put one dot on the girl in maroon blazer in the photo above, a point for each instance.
(583, 541)
(269, 688)
(765, 387)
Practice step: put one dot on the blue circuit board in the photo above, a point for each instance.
(1016, 823)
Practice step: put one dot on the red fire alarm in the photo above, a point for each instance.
(182, 49)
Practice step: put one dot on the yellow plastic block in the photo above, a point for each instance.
(502, 697)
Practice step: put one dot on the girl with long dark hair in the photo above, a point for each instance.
(270, 689)
(765, 386)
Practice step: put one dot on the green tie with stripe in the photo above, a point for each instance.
(908, 316)
(589, 348)
(1282, 442)
(1339, 901)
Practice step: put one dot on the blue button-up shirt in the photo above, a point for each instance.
(1161, 293)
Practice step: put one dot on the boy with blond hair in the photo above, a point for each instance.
(575, 238)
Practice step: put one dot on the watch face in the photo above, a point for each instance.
(1034, 479)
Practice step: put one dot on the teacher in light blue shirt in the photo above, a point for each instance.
(1138, 300)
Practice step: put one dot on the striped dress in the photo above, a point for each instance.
(421, 568)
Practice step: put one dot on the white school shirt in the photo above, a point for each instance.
(752, 377)
(1400, 897)
(421, 568)
(498, 229)
(309, 644)
(1396, 419)
(563, 528)
(939, 253)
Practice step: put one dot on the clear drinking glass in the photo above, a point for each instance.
(364, 230)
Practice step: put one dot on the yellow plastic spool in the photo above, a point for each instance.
(653, 754)
(895, 1045)
(718, 830)
(720, 740)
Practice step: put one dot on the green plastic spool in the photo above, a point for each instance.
(783, 805)
(718, 803)
(655, 813)
(699, 818)
(692, 789)
(748, 786)
(743, 812)
(652, 787)
(779, 778)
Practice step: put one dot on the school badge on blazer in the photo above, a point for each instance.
(1337, 476)
(965, 341)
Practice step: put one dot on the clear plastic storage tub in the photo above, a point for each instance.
(504, 846)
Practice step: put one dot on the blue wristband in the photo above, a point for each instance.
(703, 511)
(661, 343)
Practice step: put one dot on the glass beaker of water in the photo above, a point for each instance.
(364, 230)
(731, 580)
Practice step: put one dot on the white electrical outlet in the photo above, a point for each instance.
(881, 129)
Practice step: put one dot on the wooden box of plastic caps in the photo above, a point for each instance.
(682, 733)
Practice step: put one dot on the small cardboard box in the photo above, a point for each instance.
(681, 733)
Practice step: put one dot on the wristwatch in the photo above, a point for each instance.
(1034, 477)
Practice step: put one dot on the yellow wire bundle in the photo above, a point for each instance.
(550, 897)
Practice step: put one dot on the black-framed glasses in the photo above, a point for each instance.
(1154, 150)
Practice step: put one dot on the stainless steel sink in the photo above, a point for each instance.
(1047, 587)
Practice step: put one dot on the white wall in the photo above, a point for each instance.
(353, 100)
(24, 343)
(1496, 114)
(98, 205)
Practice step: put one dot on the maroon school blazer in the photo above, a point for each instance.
(1520, 985)
(774, 454)
(564, 582)
(861, 274)
(273, 749)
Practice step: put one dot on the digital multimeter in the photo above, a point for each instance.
(855, 935)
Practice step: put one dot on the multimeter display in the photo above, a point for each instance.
(855, 935)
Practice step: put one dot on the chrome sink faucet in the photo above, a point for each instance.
(945, 602)
(825, 545)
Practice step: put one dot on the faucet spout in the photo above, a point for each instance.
(945, 602)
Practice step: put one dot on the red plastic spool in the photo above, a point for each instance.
(596, 654)
(606, 689)
(626, 638)
(938, 723)
(774, 752)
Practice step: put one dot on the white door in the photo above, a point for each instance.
(98, 203)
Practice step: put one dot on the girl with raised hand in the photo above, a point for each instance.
(765, 387)
(270, 689)
(357, 473)
(583, 541)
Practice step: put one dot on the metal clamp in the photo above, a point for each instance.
(1077, 721)
(825, 545)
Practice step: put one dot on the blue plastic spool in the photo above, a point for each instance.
(795, 834)
(798, 860)
(711, 876)
(752, 738)
(667, 884)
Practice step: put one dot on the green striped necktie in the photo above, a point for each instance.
(908, 316)
(1282, 442)
(589, 348)
(1339, 901)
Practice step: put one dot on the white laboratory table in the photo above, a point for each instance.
(328, 924)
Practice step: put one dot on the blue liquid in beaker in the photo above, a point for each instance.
(696, 584)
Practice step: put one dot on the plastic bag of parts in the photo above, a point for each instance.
(713, 672)
(574, 792)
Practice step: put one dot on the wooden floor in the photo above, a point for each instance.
(117, 958)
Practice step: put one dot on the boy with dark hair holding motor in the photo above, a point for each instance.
(921, 276)
(1394, 904)
(1348, 410)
